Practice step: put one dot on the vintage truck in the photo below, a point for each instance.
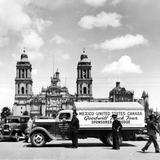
(95, 120)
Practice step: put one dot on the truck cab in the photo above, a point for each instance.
(45, 130)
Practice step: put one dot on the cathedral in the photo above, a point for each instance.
(54, 97)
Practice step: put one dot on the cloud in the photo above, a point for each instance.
(61, 56)
(33, 43)
(6, 92)
(3, 41)
(102, 19)
(12, 16)
(14, 19)
(115, 2)
(95, 3)
(32, 40)
(51, 4)
(1, 63)
(34, 55)
(42, 24)
(34, 72)
(58, 39)
(123, 65)
(122, 42)
(65, 56)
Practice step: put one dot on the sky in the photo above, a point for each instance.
(121, 39)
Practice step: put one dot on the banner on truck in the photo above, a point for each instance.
(103, 118)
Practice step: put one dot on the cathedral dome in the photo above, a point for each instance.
(24, 57)
(84, 57)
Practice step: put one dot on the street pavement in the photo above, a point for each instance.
(89, 149)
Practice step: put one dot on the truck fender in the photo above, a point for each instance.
(47, 135)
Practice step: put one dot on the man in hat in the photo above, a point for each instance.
(151, 131)
(74, 130)
(116, 128)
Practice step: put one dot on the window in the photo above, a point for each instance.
(24, 119)
(65, 116)
(22, 90)
(84, 90)
(19, 71)
(84, 74)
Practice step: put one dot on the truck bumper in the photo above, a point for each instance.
(7, 136)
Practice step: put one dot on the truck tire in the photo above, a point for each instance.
(108, 140)
(38, 139)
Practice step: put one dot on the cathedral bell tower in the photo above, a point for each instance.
(23, 85)
(84, 79)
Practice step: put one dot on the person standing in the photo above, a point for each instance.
(74, 130)
(151, 131)
(28, 129)
(116, 128)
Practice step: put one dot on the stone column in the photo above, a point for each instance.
(16, 88)
(29, 73)
(90, 88)
(79, 73)
(89, 73)
(17, 73)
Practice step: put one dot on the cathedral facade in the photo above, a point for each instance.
(48, 102)
(52, 98)
(55, 97)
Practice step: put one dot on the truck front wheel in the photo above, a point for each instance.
(38, 139)
(108, 140)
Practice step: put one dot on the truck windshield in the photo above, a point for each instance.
(64, 116)
(24, 119)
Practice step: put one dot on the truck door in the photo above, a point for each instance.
(63, 126)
